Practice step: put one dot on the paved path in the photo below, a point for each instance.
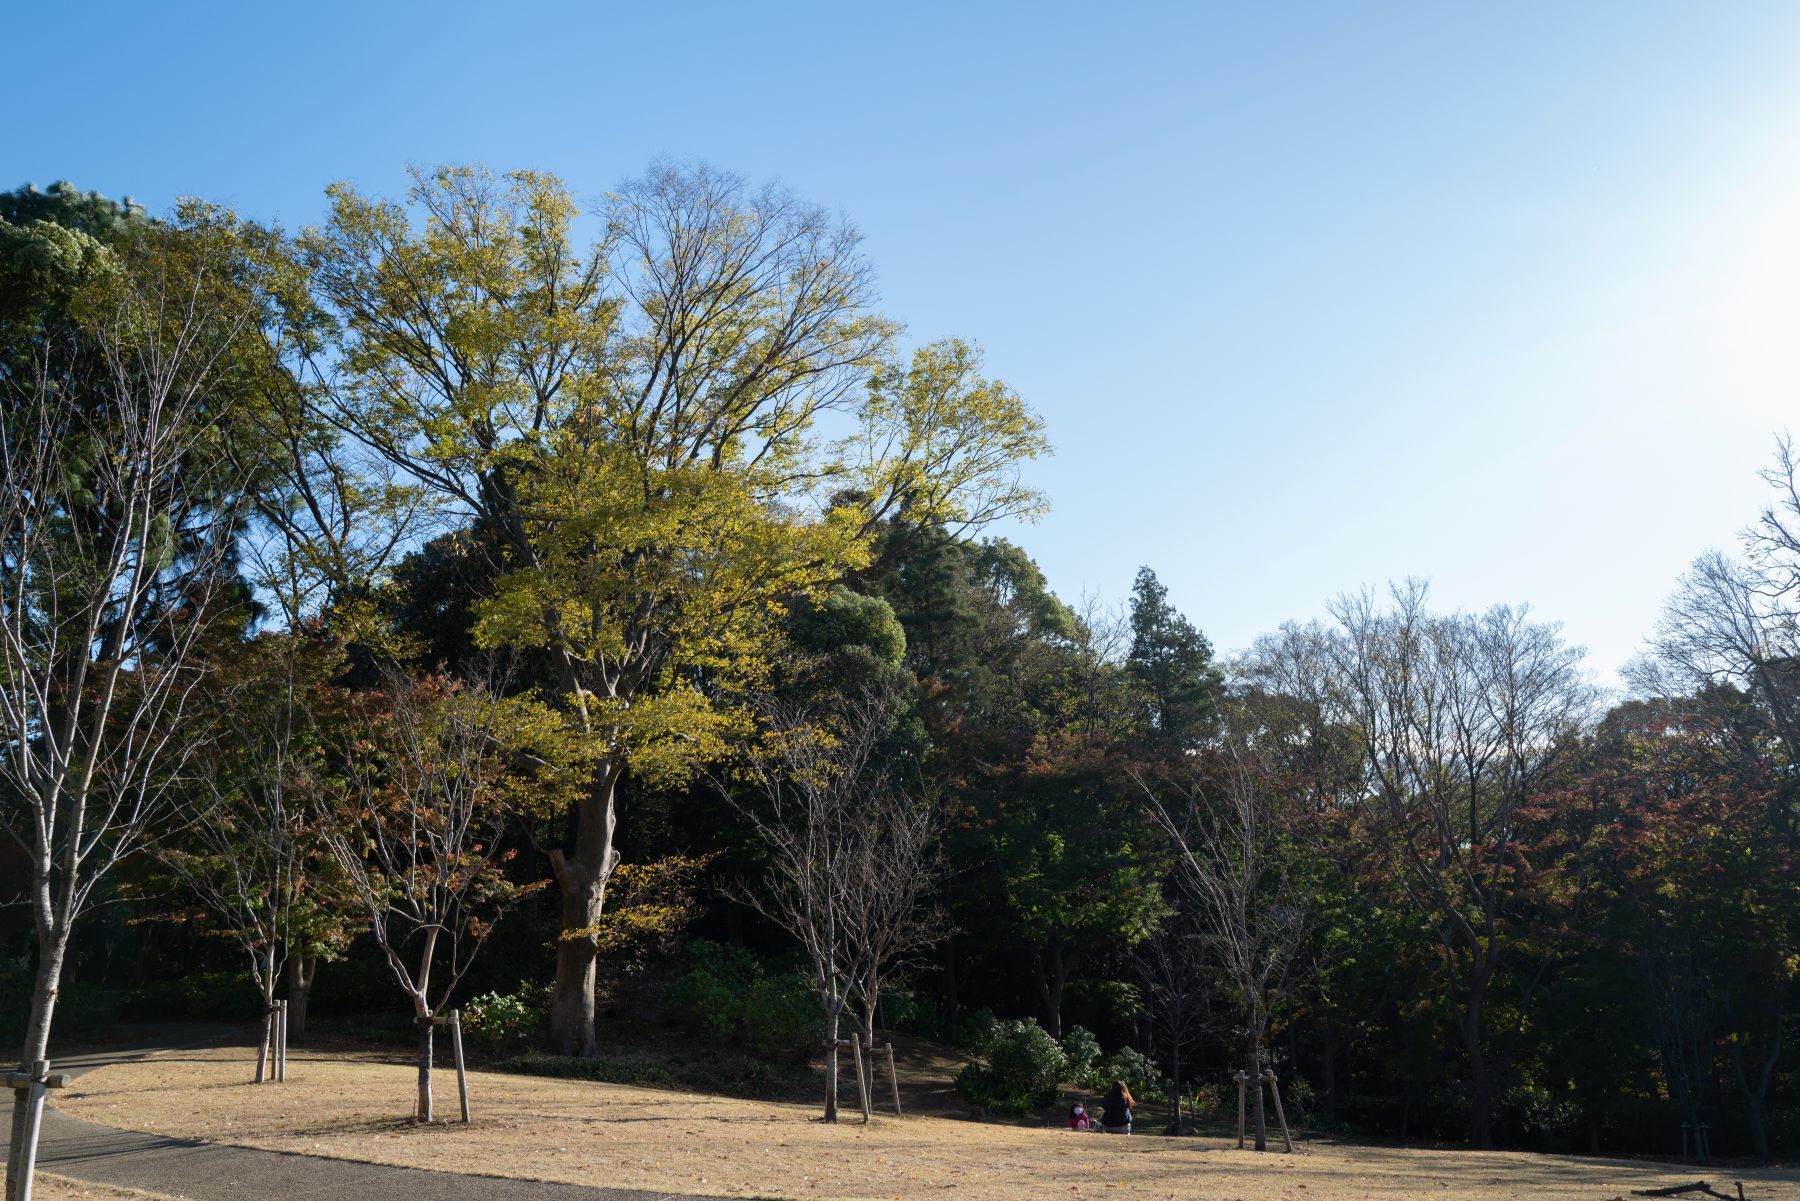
(214, 1172)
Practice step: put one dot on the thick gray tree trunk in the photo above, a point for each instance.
(581, 876)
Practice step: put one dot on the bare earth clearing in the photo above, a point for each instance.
(355, 1107)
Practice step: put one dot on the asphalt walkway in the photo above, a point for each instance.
(213, 1172)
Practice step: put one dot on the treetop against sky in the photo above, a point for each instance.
(1311, 296)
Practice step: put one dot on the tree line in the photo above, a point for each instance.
(472, 572)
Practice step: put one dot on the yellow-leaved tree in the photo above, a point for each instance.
(671, 434)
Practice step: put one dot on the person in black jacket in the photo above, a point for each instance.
(1115, 1109)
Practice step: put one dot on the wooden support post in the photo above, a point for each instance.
(281, 1044)
(862, 1080)
(1275, 1091)
(893, 1078)
(462, 1075)
(1242, 1078)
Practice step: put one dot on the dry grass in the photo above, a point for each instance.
(355, 1107)
(61, 1188)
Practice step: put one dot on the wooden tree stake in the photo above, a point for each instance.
(1242, 1078)
(862, 1081)
(462, 1075)
(893, 1078)
(1275, 1091)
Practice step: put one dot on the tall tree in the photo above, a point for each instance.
(241, 841)
(1461, 719)
(1244, 855)
(831, 818)
(118, 516)
(634, 427)
(1171, 663)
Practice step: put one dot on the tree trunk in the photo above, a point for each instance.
(582, 877)
(868, 1043)
(952, 999)
(1175, 1083)
(1051, 983)
(1481, 1083)
(265, 1034)
(427, 1030)
(1754, 1097)
(1327, 1075)
(300, 972)
(1258, 1119)
(265, 1042)
(831, 1061)
(36, 1046)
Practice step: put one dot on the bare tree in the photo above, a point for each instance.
(116, 539)
(839, 835)
(1735, 620)
(414, 822)
(1172, 967)
(1243, 858)
(1461, 717)
(242, 840)
(888, 919)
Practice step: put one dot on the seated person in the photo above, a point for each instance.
(1078, 1118)
(1115, 1109)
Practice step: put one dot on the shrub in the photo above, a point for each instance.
(1137, 1070)
(781, 1018)
(708, 999)
(1081, 1052)
(730, 997)
(1023, 1067)
(976, 1032)
(506, 1021)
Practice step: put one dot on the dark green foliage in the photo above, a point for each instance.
(1171, 664)
(82, 1016)
(200, 997)
(1081, 1054)
(732, 998)
(701, 1070)
(1024, 1065)
(1138, 1072)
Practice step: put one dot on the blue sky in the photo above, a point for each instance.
(1312, 295)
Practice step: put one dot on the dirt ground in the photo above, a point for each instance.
(356, 1107)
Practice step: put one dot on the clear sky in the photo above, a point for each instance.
(1312, 295)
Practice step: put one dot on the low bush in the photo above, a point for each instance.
(1137, 1070)
(731, 997)
(975, 1033)
(506, 1022)
(1023, 1067)
(1081, 1053)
